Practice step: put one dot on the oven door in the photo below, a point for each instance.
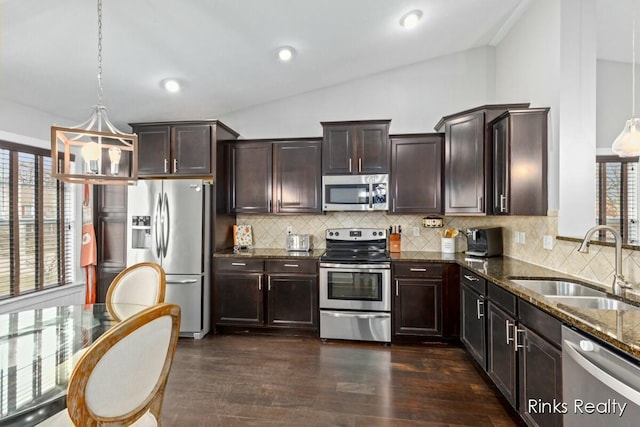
(355, 287)
(355, 192)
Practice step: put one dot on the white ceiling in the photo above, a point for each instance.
(224, 50)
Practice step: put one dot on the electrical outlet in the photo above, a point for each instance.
(416, 231)
(516, 237)
(547, 242)
(520, 237)
(289, 229)
(523, 240)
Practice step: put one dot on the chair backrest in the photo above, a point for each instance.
(144, 283)
(123, 375)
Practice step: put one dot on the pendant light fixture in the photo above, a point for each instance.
(109, 156)
(627, 144)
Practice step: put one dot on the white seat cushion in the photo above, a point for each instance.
(62, 419)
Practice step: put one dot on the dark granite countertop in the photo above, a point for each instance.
(621, 329)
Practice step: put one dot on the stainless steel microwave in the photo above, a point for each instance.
(355, 192)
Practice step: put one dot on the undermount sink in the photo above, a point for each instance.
(552, 287)
(598, 303)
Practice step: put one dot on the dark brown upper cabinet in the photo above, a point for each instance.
(467, 163)
(520, 162)
(416, 173)
(355, 147)
(275, 176)
(179, 148)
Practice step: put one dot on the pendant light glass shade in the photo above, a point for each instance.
(627, 144)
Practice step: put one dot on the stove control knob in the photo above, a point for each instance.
(375, 233)
(331, 233)
(337, 233)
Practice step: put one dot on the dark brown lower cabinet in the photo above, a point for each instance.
(473, 332)
(239, 299)
(280, 294)
(501, 367)
(540, 376)
(293, 301)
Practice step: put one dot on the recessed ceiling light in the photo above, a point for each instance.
(171, 85)
(286, 53)
(410, 19)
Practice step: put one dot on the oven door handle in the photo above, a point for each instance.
(357, 315)
(358, 267)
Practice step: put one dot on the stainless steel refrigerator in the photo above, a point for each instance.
(169, 222)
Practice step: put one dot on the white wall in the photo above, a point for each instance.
(613, 100)
(28, 122)
(413, 97)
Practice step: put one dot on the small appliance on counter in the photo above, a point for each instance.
(484, 242)
(395, 238)
(299, 242)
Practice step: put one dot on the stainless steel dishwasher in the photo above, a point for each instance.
(600, 387)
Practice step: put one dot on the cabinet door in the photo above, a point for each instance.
(372, 149)
(338, 148)
(297, 177)
(292, 301)
(473, 324)
(540, 378)
(250, 173)
(501, 356)
(418, 307)
(154, 145)
(416, 174)
(191, 150)
(464, 165)
(500, 167)
(239, 299)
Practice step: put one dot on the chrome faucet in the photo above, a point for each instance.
(619, 282)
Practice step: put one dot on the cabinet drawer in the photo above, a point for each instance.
(474, 281)
(420, 269)
(292, 266)
(239, 264)
(542, 323)
(506, 300)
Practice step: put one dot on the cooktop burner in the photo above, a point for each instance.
(356, 245)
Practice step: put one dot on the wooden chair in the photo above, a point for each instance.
(120, 380)
(144, 284)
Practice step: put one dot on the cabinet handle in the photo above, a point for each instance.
(359, 164)
(394, 204)
(259, 283)
(349, 164)
(166, 165)
(516, 331)
(292, 265)
(239, 264)
(479, 305)
(503, 203)
(396, 288)
(279, 205)
(418, 269)
(508, 326)
(480, 204)
(269, 283)
(175, 165)
(471, 278)
(270, 207)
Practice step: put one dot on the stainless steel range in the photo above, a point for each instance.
(355, 285)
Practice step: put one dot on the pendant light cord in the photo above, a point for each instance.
(100, 92)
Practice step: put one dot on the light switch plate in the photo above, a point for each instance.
(416, 231)
(547, 242)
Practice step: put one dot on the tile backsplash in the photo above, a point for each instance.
(269, 231)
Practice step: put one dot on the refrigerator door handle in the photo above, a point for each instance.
(165, 229)
(157, 224)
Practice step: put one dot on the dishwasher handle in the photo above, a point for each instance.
(601, 375)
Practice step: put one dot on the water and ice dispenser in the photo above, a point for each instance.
(141, 232)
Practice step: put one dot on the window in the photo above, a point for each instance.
(36, 223)
(616, 196)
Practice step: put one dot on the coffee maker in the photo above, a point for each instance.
(484, 242)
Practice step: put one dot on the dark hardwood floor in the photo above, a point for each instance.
(256, 380)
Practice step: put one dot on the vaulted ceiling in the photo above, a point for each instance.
(224, 51)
